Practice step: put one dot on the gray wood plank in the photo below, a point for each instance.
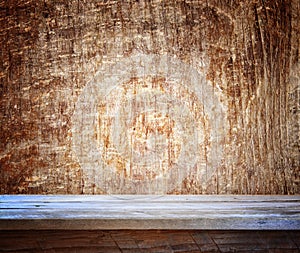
(149, 212)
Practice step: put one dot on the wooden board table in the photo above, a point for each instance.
(179, 212)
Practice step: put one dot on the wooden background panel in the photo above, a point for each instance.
(107, 97)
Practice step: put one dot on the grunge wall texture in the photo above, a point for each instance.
(165, 97)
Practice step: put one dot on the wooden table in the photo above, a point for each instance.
(143, 212)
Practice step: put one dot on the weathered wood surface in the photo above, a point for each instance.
(142, 241)
(150, 212)
(149, 97)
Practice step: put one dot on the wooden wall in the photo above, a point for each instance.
(161, 97)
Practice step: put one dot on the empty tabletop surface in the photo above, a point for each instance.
(223, 212)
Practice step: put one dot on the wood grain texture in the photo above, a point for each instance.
(149, 97)
(163, 241)
(150, 212)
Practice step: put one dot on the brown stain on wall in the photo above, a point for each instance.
(51, 49)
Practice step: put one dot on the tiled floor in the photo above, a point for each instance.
(158, 241)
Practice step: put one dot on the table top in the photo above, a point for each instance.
(207, 212)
